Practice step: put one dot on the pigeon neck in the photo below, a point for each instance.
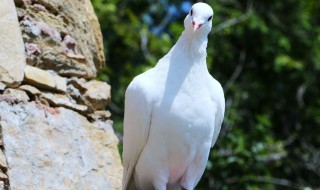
(193, 45)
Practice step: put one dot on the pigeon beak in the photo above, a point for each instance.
(196, 25)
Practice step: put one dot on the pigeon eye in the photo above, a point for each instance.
(191, 12)
(209, 18)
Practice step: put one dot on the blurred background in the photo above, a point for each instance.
(266, 55)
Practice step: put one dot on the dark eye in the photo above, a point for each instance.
(209, 18)
(191, 12)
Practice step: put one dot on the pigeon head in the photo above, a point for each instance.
(199, 19)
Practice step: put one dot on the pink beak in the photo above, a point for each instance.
(196, 25)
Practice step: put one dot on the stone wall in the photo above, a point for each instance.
(55, 133)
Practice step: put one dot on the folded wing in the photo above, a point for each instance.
(137, 119)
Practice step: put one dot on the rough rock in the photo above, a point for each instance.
(30, 89)
(51, 151)
(12, 59)
(53, 131)
(100, 115)
(62, 100)
(101, 118)
(14, 96)
(58, 38)
(2, 187)
(95, 27)
(98, 93)
(19, 95)
(3, 161)
(104, 125)
(44, 79)
(2, 177)
(54, 99)
(78, 83)
(2, 86)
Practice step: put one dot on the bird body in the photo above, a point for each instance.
(173, 115)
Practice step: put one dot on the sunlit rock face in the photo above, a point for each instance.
(63, 36)
(55, 131)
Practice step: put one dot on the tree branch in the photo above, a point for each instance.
(236, 72)
(277, 181)
(144, 45)
(232, 22)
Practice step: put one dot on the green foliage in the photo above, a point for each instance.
(266, 54)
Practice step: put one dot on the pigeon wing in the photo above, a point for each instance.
(219, 113)
(137, 119)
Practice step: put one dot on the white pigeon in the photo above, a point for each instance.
(173, 113)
